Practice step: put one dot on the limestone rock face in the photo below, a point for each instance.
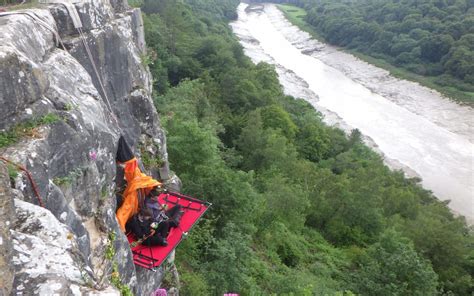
(7, 214)
(72, 157)
(46, 255)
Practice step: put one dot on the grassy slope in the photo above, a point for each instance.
(296, 16)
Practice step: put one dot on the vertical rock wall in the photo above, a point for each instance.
(72, 154)
(7, 215)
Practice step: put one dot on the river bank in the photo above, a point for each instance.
(415, 128)
(418, 99)
(296, 16)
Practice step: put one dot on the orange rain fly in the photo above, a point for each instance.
(138, 185)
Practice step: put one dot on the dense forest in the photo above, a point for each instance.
(431, 38)
(299, 208)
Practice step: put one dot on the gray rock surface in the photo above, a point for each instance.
(46, 255)
(7, 219)
(72, 159)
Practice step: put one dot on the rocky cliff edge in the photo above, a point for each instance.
(58, 123)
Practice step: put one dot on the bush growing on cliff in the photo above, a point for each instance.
(28, 128)
(392, 267)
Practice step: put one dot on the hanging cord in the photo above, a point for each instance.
(89, 54)
(54, 30)
(30, 178)
(76, 20)
(41, 22)
(77, 24)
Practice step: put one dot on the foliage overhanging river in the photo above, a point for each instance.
(414, 128)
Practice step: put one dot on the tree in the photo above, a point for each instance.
(251, 142)
(392, 267)
(443, 240)
(459, 62)
(313, 142)
(401, 44)
(277, 118)
(435, 47)
(467, 41)
(286, 202)
(227, 262)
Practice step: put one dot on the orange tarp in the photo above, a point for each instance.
(136, 180)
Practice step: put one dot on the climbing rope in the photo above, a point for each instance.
(38, 19)
(96, 71)
(76, 20)
(78, 26)
(54, 29)
(30, 178)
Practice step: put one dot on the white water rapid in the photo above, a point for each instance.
(414, 128)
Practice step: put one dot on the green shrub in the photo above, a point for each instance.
(26, 129)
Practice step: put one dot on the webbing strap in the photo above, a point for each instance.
(30, 178)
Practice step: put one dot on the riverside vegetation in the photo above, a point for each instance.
(431, 42)
(299, 208)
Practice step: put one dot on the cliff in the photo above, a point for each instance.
(58, 123)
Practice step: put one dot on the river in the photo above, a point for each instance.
(414, 128)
